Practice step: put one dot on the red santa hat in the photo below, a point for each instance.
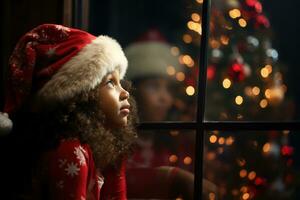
(53, 63)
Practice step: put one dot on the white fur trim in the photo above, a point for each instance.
(85, 71)
(5, 124)
(150, 58)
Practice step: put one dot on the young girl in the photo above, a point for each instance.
(64, 92)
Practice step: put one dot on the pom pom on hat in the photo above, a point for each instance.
(150, 56)
(5, 124)
(53, 63)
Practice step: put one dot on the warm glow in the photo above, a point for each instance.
(175, 51)
(252, 175)
(199, 1)
(242, 22)
(213, 139)
(224, 39)
(246, 196)
(212, 196)
(187, 160)
(278, 76)
(226, 83)
(266, 147)
(235, 192)
(239, 100)
(173, 158)
(186, 59)
(286, 132)
(180, 76)
(191, 25)
(248, 91)
(195, 17)
(187, 38)
(243, 173)
(195, 26)
(244, 189)
(214, 44)
(220, 150)
(255, 90)
(268, 93)
(241, 162)
(170, 70)
(263, 103)
(190, 90)
(221, 140)
(264, 72)
(269, 68)
(174, 133)
(229, 141)
(210, 155)
(234, 13)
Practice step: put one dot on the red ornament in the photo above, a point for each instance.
(251, 3)
(236, 72)
(262, 20)
(211, 72)
(260, 181)
(287, 150)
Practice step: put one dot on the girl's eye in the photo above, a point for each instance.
(110, 83)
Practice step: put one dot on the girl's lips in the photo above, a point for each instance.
(125, 111)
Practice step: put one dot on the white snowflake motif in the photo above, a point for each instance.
(79, 152)
(62, 162)
(100, 181)
(33, 35)
(72, 169)
(62, 28)
(51, 52)
(60, 184)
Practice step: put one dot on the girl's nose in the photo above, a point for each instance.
(124, 94)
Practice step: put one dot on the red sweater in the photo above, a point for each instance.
(73, 175)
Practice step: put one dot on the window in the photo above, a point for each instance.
(231, 89)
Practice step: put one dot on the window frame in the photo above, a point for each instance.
(79, 18)
(200, 125)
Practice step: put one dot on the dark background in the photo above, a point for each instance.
(126, 20)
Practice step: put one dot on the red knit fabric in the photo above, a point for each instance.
(38, 55)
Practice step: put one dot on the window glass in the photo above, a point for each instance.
(161, 40)
(252, 164)
(162, 165)
(252, 71)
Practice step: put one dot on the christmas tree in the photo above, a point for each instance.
(245, 82)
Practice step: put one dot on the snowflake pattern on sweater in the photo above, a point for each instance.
(71, 171)
(73, 175)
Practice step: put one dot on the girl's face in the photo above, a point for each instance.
(114, 101)
(155, 99)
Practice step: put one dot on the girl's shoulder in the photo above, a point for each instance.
(71, 149)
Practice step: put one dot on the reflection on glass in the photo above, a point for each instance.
(152, 70)
(251, 165)
(162, 165)
(158, 72)
(245, 78)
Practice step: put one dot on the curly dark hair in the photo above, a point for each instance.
(82, 118)
(35, 133)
